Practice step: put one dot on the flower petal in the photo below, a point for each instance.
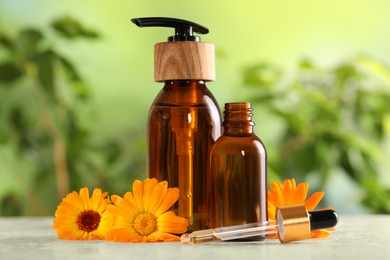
(158, 195)
(123, 235)
(277, 191)
(75, 199)
(271, 205)
(169, 222)
(68, 208)
(70, 232)
(130, 197)
(271, 211)
(138, 191)
(149, 186)
(97, 236)
(289, 188)
(84, 195)
(159, 236)
(170, 198)
(98, 201)
(120, 211)
(319, 234)
(115, 198)
(300, 193)
(314, 199)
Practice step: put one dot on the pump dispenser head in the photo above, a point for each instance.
(184, 56)
(183, 29)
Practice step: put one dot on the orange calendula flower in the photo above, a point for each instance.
(290, 194)
(142, 216)
(80, 217)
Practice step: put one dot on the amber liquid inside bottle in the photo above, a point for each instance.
(184, 123)
(238, 176)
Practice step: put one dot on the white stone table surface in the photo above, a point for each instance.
(356, 237)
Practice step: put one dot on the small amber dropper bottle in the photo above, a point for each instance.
(238, 176)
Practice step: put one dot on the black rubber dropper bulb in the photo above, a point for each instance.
(321, 219)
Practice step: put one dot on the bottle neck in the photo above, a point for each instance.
(183, 83)
(238, 119)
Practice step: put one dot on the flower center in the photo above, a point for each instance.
(145, 223)
(88, 220)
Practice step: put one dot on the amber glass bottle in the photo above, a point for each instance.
(184, 120)
(238, 176)
(184, 123)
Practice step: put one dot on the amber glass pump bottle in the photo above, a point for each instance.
(184, 120)
(238, 176)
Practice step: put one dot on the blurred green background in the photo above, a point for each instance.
(76, 84)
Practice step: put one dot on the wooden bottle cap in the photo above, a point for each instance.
(184, 60)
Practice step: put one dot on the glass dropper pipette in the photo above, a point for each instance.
(293, 223)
